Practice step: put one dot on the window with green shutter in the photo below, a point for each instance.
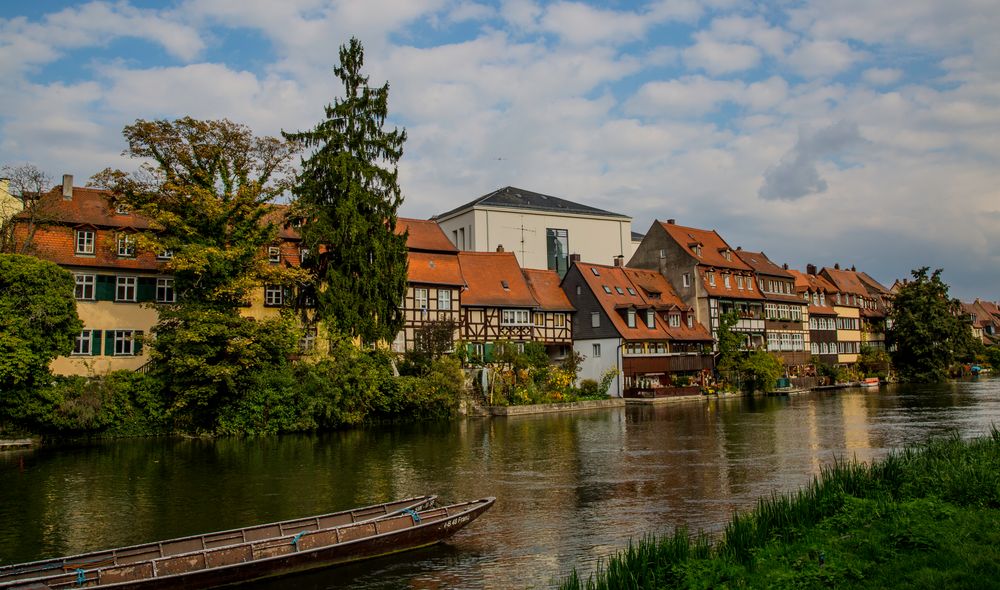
(95, 343)
(105, 288)
(147, 289)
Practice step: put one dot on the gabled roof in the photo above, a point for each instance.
(424, 236)
(807, 282)
(762, 265)
(278, 215)
(544, 286)
(846, 281)
(88, 206)
(873, 285)
(434, 269)
(711, 243)
(719, 289)
(510, 197)
(658, 291)
(487, 273)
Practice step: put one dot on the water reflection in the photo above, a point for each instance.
(571, 488)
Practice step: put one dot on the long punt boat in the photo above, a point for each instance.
(235, 564)
(161, 549)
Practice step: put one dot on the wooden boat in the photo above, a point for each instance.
(160, 549)
(279, 555)
(869, 382)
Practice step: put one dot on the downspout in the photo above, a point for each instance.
(621, 369)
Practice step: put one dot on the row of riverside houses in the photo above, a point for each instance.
(653, 320)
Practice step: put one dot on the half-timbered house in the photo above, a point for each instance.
(819, 293)
(497, 305)
(552, 320)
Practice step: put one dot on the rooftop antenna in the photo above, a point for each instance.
(523, 229)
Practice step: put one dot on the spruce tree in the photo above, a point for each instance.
(348, 194)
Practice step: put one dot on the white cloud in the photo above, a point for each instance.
(882, 76)
(718, 58)
(579, 24)
(816, 59)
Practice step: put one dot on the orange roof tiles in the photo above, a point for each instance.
(88, 206)
(711, 243)
(434, 269)
(424, 235)
(846, 281)
(761, 264)
(657, 290)
(719, 289)
(487, 273)
(545, 287)
(807, 282)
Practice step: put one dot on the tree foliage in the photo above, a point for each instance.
(730, 342)
(348, 191)
(760, 371)
(207, 186)
(38, 322)
(929, 332)
(27, 184)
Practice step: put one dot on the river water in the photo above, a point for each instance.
(571, 488)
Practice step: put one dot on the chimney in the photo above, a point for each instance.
(836, 266)
(739, 248)
(574, 258)
(810, 269)
(784, 266)
(853, 269)
(67, 187)
(619, 261)
(670, 221)
(499, 247)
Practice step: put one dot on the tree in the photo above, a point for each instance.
(27, 184)
(38, 322)
(759, 371)
(208, 192)
(873, 362)
(730, 343)
(928, 329)
(348, 191)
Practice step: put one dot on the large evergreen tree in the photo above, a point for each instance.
(348, 193)
(928, 331)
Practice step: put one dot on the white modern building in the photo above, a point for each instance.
(541, 230)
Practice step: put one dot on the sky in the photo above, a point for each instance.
(819, 131)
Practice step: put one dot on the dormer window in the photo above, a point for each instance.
(749, 283)
(630, 318)
(674, 320)
(165, 254)
(304, 253)
(650, 319)
(126, 246)
(725, 280)
(690, 321)
(273, 254)
(739, 283)
(505, 285)
(696, 248)
(85, 241)
(727, 254)
(711, 278)
(121, 209)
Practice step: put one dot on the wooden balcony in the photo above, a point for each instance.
(665, 363)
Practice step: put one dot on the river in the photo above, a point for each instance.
(571, 488)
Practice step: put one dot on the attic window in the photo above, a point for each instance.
(696, 248)
(594, 270)
(727, 254)
(607, 289)
(619, 290)
(121, 209)
(505, 285)
(631, 291)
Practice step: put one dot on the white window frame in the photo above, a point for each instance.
(165, 255)
(674, 320)
(124, 343)
(630, 318)
(85, 283)
(420, 297)
(85, 240)
(559, 320)
(539, 319)
(83, 344)
(595, 350)
(273, 254)
(126, 288)
(444, 299)
(595, 319)
(725, 280)
(686, 279)
(126, 246)
(308, 341)
(165, 291)
(711, 277)
(274, 295)
(690, 320)
(515, 317)
(650, 319)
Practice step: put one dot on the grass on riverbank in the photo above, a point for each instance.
(926, 517)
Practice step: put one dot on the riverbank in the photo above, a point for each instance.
(926, 517)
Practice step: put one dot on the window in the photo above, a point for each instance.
(607, 289)
(540, 319)
(124, 342)
(125, 288)
(559, 320)
(84, 241)
(273, 254)
(749, 284)
(631, 291)
(84, 286)
(557, 250)
(274, 295)
(711, 278)
(690, 321)
(579, 290)
(674, 320)
(595, 319)
(515, 317)
(461, 238)
(739, 283)
(630, 318)
(444, 299)
(303, 254)
(420, 298)
(121, 209)
(308, 341)
(165, 291)
(727, 254)
(650, 319)
(725, 280)
(595, 271)
(165, 255)
(126, 246)
(83, 342)
(595, 350)
(619, 291)
(686, 279)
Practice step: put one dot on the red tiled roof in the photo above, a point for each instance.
(649, 284)
(434, 269)
(485, 274)
(872, 283)
(88, 206)
(846, 281)
(424, 235)
(278, 215)
(806, 282)
(712, 245)
(719, 289)
(57, 243)
(761, 264)
(545, 287)
(821, 310)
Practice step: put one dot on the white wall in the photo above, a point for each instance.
(594, 368)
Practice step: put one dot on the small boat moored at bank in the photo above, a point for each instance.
(278, 555)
